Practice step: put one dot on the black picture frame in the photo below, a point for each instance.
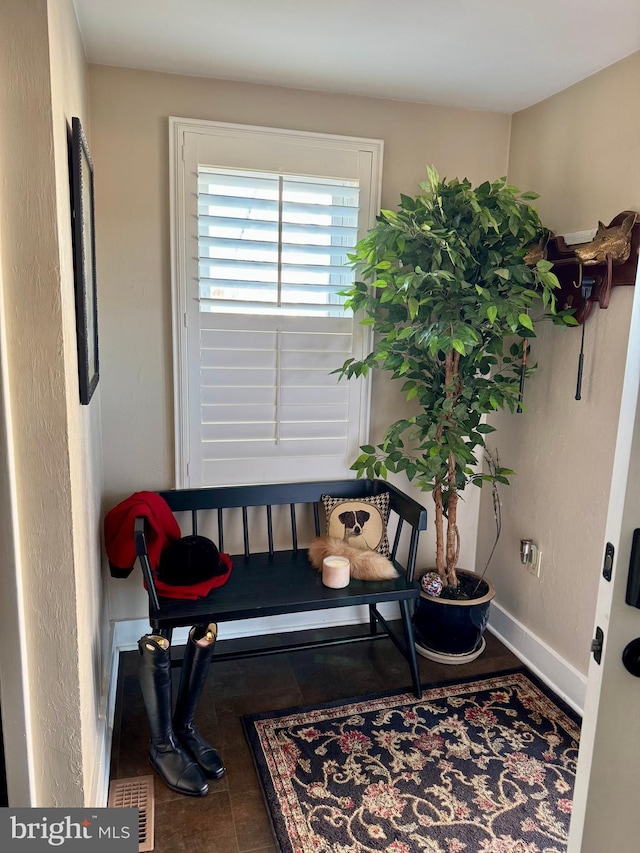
(84, 261)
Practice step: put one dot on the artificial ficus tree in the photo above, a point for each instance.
(444, 283)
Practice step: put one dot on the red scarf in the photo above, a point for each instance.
(160, 529)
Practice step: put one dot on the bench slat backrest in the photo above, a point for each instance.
(293, 493)
(268, 496)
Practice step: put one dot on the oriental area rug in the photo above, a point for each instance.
(479, 766)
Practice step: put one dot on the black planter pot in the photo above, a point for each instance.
(452, 631)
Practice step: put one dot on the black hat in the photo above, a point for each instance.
(190, 560)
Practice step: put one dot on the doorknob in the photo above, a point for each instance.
(631, 657)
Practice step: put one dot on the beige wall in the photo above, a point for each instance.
(579, 150)
(129, 111)
(53, 448)
(70, 98)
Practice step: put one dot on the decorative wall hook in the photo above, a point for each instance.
(588, 272)
(612, 258)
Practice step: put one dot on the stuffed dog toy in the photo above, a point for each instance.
(365, 565)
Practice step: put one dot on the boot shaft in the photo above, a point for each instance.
(155, 683)
(195, 669)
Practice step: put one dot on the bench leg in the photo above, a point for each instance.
(412, 657)
(167, 633)
(373, 622)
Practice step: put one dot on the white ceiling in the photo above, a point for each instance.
(482, 54)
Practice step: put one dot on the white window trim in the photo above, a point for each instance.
(178, 127)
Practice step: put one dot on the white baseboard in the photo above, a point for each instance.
(563, 678)
(99, 788)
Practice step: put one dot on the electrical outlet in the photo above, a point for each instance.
(534, 567)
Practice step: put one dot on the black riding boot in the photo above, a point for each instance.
(195, 668)
(167, 757)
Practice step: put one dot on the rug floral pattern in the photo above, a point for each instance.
(486, 766)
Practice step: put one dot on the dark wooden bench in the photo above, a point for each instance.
(268, 579)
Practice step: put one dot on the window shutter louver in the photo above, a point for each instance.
(267, 393)
(274, 244)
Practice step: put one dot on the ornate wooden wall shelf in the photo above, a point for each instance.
(616, 256)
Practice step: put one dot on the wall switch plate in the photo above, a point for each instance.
(534, 567)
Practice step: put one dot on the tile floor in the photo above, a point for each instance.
(232, 817)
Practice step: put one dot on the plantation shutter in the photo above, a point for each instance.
(265, 323)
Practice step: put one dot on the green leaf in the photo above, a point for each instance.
(492, 313)
(544, 266)
(525, 320)
(368, 448)
(458, 346)
(361, 460)
(549, 279)
(432, 175)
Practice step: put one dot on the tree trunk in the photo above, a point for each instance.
(440, 562)
(452, 540)
(447, 545)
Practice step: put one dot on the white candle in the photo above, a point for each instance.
(335, 571)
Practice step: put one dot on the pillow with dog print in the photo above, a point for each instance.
(361, 522)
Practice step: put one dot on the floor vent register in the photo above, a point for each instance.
(137, 793)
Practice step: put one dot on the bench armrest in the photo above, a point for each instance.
(143, 556)
(407, 508)
(414, 515)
